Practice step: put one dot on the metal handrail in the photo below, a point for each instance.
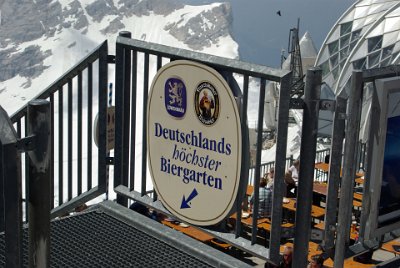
(79, 89)
(128, 53)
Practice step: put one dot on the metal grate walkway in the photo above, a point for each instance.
(109, 235)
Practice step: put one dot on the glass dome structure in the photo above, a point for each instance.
(366, 36)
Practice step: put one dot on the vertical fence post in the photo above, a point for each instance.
(260, 124)
(39, 184)
(110, 90)
(103, 141)
(306, 173)
(121, 153)
(1, 191)
(2, 219)
(10, 175)
(280, 166)
(334, 173)
(349, 165)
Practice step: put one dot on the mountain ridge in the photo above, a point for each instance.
(40, 35)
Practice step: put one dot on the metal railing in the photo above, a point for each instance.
(265, 167)
(36, 146)
(136, 63)
(75, 98)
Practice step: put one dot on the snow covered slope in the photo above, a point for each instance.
(41, 39)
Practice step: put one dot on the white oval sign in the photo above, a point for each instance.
(194, 142)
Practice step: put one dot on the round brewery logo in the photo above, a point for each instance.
(175, 97)
(206, 103)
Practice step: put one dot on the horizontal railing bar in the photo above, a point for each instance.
(288, 159)
(76, 201)
(241, 243)
(370, 75)
(232, 65)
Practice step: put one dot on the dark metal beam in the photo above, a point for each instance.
(39, 184)
(306, 173)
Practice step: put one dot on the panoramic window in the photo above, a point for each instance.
(352, 45)
(387, 51)
(344, 41)
(334, 60)
(395, 57)
(333, 47)
(346, 28)
(373, 59)
(325, 68)
(359, 64)
(385, 62)
(344, 53)
(374, 43)
(335, 73)
(355, 35)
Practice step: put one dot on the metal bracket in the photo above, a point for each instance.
(296, 103)
(26, 144)
(111, 59)
(109, 161)
(329, 105)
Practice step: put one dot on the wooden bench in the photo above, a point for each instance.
(190, 231)
(388, 246)
(267, 225)
(348, 263)
(262, 223)
(321, 226)
(316, 211)
(313, 249)
(324, 168)
(359, 180)
(322, 190)
(357, 204)
(197, 234)
(249, 220)
(358, 196)
(220, 244)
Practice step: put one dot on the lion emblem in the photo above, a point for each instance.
(175, 93)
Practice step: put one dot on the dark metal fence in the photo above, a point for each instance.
(78, 95)
(265, 167)
(75, 99)
(359, 82)
(136, 63)
(10, 204)
(37, 147)
(321, 156)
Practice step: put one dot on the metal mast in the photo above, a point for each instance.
(297, 88)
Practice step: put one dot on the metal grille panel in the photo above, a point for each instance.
(96, 239)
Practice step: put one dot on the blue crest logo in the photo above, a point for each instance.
(175, 97)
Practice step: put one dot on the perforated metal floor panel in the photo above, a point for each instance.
(104, 237)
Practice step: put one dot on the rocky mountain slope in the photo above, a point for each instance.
(41, 39)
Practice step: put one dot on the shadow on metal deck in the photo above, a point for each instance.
(109, 235)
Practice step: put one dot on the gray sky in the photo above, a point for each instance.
(261, 33)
